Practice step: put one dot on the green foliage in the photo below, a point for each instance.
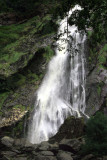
(16, 81)
(3, 97)
(14, 38)
(102, 57)
(26, 8)
(96, 135)
(48, 53)
(21, 107)
(10, 34)
(89, 34)
(18, 129)
(99, 90)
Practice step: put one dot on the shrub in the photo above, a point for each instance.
(96, 135)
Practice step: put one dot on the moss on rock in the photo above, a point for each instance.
(72, 128)
(21, 41)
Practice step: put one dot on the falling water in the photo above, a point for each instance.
(62, 92)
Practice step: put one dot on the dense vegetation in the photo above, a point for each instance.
(96, 135)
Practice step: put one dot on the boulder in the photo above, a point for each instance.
(64, 156)
(44, 146)
(46, 153)
(89, 157)
(96, 90)
(45, 158)
(105, 158)
(72, 145)
(7, 141)
(20, 142)
(72, 128)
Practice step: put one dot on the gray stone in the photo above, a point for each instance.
(64, 156)
(20, 142)
(44, 146)
(35, 153)
(7, 141)
(88, 157)
(21, 158)
(8, 155)
(105, 158)
(45, 158)
(72, 145)
(28, 144)
(94, 100)
(46, 153)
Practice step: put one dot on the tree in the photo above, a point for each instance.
(96, 135)
(93, 14)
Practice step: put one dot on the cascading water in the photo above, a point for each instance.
(62, 92)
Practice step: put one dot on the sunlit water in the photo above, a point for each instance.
(62, 92)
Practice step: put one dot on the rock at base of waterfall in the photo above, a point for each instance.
(64, 156)
(88, 157)
(66, 149)
(7, 141)
(71, 145)
(45, 158)
(46, 153)
(72, 128)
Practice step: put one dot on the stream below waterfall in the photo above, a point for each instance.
(62, 92)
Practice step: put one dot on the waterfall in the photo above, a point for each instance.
(62, 92)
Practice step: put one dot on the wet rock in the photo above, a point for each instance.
(64, 156)
(54, 148)
(105, 158)
(72, 128)
(72, 145)
(8, 154)
(88, 157)
(28, 144)
(46, 153)
(7, 141)
(20, 158)
(96, 90)
(45, 158)
(20, 142)
(24, 145)
(44, 146)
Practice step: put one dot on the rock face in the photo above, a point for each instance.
(20, 51)
(96, 90)
(96, 78)
(21, 75)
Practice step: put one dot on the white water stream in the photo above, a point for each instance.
(62, 92)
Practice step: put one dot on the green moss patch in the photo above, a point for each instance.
(102, 58)
(3, 97)
(19, 42)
